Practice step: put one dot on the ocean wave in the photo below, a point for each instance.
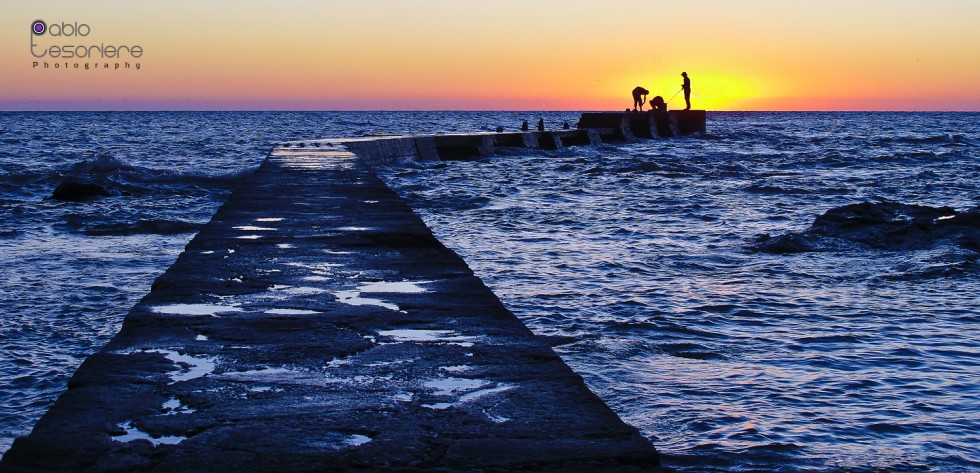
(103, 162)
(945, 138)
(139, 227)
(759, 188)
(117, 177)
(106, 164)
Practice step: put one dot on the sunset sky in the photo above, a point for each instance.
(500, 55)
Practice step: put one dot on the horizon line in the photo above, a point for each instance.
(188, 110)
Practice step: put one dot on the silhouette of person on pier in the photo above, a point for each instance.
(687, 90)
(639, 98)
(657, 104)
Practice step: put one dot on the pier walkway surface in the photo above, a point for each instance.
(315, 324)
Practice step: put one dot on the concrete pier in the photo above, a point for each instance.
(315, 324)
(627, 126)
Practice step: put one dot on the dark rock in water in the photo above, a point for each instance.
(788, 243)
(73, 191)
(881, 225)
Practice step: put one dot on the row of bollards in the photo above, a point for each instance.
(526, 127)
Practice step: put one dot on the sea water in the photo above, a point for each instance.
(640, 262)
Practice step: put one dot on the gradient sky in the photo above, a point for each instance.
(503, 54)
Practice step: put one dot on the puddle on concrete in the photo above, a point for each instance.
(496, 419)
(320, 269)
(253, 228)
(448, 386)
(455, 386)
(400, 287)
(424, 336)
(354, 298)
(304, 291)
(132, 433)
(387, 363)
(356, 440)
(402, 397)
(271, 375)
(296, 291)
(189, 367)
(195, 309)
(292, 312)
(173, 407)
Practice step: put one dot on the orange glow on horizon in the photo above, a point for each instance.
(511, 55)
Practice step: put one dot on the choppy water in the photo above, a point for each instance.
(638, 259)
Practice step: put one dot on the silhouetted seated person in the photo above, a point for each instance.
(639, 98)
(658, 105)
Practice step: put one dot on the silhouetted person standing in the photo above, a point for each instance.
(639, 98)
(687, 90)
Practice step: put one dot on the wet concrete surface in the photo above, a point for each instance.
(315, 324)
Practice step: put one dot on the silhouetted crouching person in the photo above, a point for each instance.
(639, 98)
(658, 105)
(687, 90)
